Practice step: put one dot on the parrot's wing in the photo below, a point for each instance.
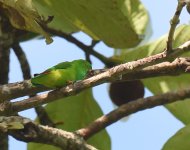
(63, 65)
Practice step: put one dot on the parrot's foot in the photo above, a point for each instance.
(70, 82)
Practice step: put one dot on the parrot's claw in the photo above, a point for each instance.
(70, 82)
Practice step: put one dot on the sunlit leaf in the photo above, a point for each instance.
(119, 23)
(24, 16)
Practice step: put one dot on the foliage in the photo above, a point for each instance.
(120, 24)
(164, 84)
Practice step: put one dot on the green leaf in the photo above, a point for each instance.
(179, 141)
(23, 15)
(54, 8)
(76, 112)
(119, 23)
(164, 84)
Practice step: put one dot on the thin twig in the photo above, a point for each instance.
(173, 23)
(87, 57)
(43, 116)
(94, 43)
(87, 53)
(25, 67)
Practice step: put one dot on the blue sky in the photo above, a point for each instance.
(145, 130)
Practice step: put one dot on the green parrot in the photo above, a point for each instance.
(62, 74)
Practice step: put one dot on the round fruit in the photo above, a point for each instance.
(126, 91)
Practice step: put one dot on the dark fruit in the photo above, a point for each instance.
(126, 91)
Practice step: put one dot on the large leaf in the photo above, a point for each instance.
(164, 84)
(119, 23)
(76, 112)
(179, 141)
(23, 15)
(53, 8)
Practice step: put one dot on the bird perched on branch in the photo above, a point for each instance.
(62, 74)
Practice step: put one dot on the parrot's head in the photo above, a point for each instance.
(87, 65)
(83, 64)
(83, 67)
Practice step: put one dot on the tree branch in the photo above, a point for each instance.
(19, 89)
(25, 88)
(173, 23)
(4, 65)
(79, 86)
(26, 130)
(6, 39)
(130, 108)
(178, 66)
(174, 68)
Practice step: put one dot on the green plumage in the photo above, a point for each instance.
(62, 73)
